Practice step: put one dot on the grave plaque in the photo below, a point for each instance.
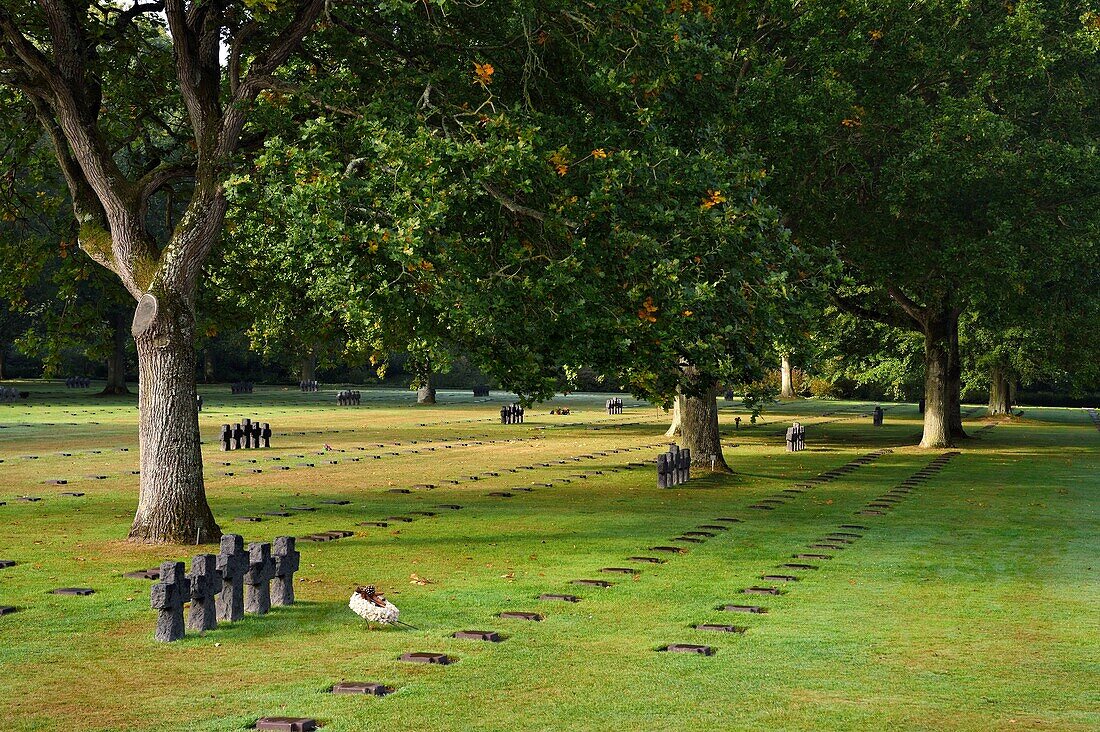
(756, 609)
(719, 628)
(73, 591)
(483, 635)
(559, 598)
(421, 657)
(689, 648)
(361, 687)
(517, 615)
(286, 724)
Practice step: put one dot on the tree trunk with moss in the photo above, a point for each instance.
(425, 392)
(1000, 399)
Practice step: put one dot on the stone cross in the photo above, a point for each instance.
(261, 570)
(238, 433)
(232, 563)
(265, 433)
(227, 437)
(287, 560)
(246, 427)
(206, 583)
(662, 471)
(167, 598)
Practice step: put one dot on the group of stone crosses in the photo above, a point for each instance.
(614, 405)
(215, 586)
(241, 387)
(8, 394)
(308, 385)
(511, 414)
(246, 435)
(348, 398)
(78, 382)
(673, 467)
(796, 437)
(481, 390)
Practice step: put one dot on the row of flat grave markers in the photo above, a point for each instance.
(78, 382)
(673, 467)
(348, 398)
(511, 414)
(481, 390)
(614, 405)
(246, 435)
(241, 387)
(796, 437)
(215, 586)
(310, 385)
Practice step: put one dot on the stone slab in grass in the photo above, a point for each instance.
(728, 519)
(29, 499)
(720, 628)
(551, 597)
(707, 534)
(71, 494)
(688, 648)
(857, 527)
(423, 513)
(440, 659)
(282, 514)
(144, 574)
(401, 519)
(5, 563)
(795, 565)
(871, 512)
(822, 545)
(713, 527)
(762, 507)
(490, 636)
(590, 583)
(519, 615)
(399, 490)
(73, 591)
(618, 570)
(762, 591)
(250, 519)
(669, 549)
(286, 724)
(56, 481)
(778, 578)
(369, 688)
(336, 502)
(501, 494)
(7, 609)
(450, 506)
(689, 539)
(647, 560)
(811, 556)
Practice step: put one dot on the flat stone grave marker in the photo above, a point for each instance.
(5, 563)
(778, 578)
(834, 547)
(402, 519)
(145, 574)
(251, 519)
(7, 609)
(713, 527)
(423, 513)
(619, 570)
(370, 688)
(669, 549)
(706, 534)
(284, 514)
(647, 560)
(794, 565)
(689, 648)
(422, 657)
(761, 591)
(302, 508)
(451, 506)
(58, 481)
(75, 591)
(71, 494)
(399, 490)
(518, 615)
(719, 628)
(286, 724)
(591, 583)
(30, 499)
(728, 520)
(762, 507)
(482, 635)
(559, 598)
(871, 512)
(501, 494)
(380, 524)
(811, 556)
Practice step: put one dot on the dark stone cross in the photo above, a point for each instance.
(232, 563)
(265, 434)
(226, 437)
(246, 428)
(206, 583)
(287, 561)
(167, 597)
(238, 433)
(261, 570)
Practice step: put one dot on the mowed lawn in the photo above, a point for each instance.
(971, 604)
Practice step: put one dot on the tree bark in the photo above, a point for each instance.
(675, 429)
(786, 390)
(116, 362)
(426, 393)
(954, 378)
(937, 419)
(1000, 401)
(172, 504)
(699, 429)
(308, 367)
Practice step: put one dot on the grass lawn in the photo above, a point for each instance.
(971, 603)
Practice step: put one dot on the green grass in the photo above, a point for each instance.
(972, 605)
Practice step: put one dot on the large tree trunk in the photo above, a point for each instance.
(699, 429)
(172, 503)
(308, 367)
(786, 390)
(937, 397)
(116, 362)
(954, 378)
(425, 394)
(1000, 398)
(675, 429)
